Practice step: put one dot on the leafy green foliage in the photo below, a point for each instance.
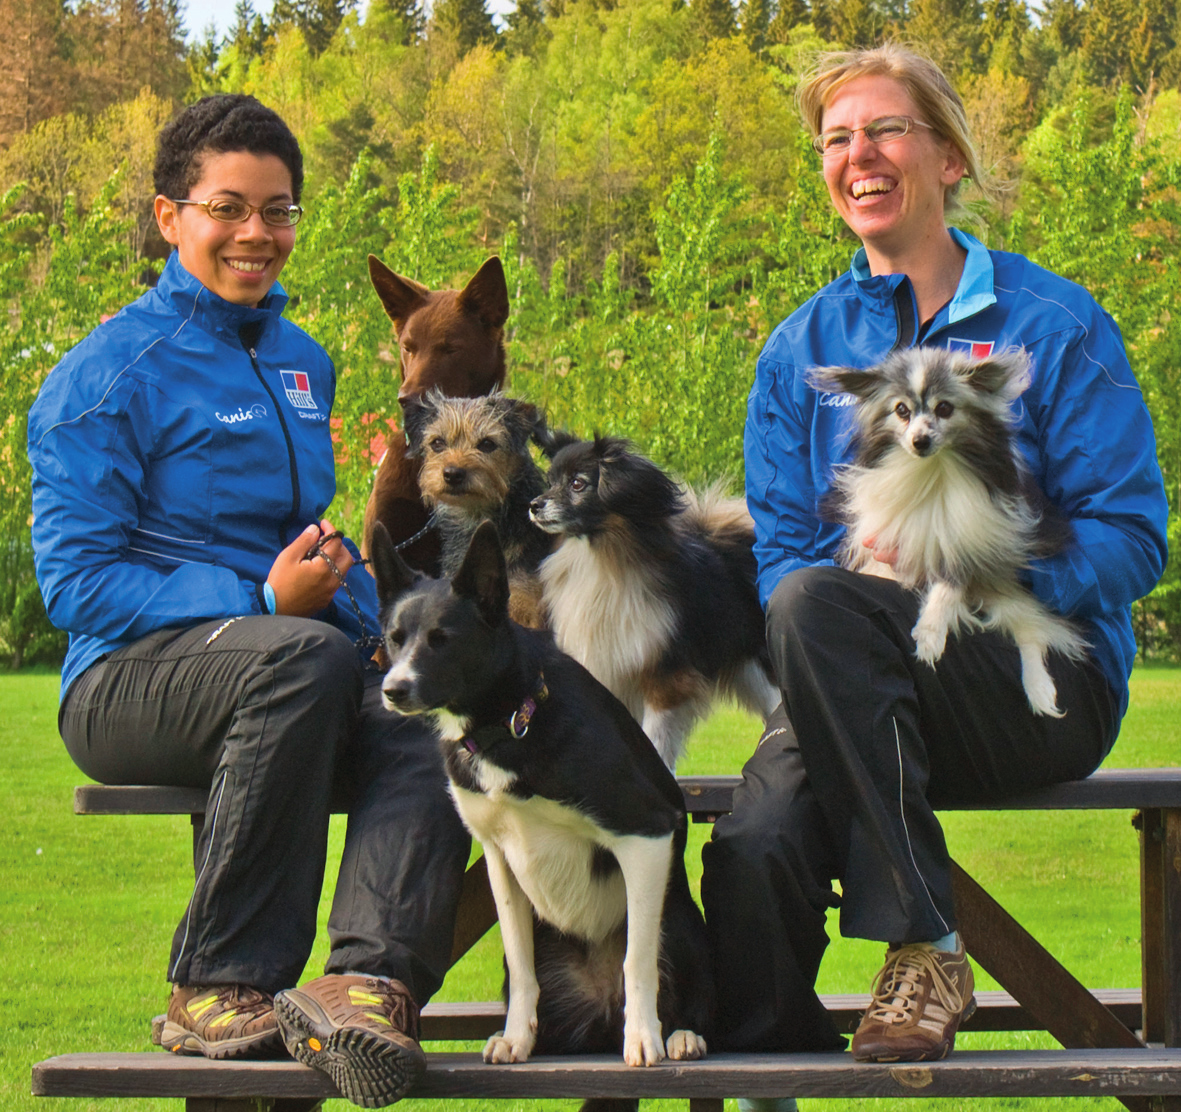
(638, 165)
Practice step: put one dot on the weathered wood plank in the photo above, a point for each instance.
(996, 1011)
(1037, 1073)
(1132, 789)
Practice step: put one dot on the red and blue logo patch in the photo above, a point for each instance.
(298, 387)
(977, 349)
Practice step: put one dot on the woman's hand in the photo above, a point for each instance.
(304, 585)
(883, 555)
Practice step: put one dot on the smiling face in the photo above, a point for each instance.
(239, 262)
(891, 193)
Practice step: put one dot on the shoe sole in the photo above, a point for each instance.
(178, 1040)
(368, 1069)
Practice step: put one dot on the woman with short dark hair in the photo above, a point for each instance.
(221, 631)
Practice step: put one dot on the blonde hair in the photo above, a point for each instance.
(937, 102)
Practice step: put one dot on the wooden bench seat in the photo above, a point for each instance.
(1118, 1042)
(1003, 1073)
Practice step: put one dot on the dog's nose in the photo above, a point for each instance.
(922, 444)
(454, 476)
(396, 694)
(536, 505)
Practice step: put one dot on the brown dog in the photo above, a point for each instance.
(450, 340)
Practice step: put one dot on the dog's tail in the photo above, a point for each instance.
(716, 516)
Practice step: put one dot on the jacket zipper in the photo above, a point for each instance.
(904, 316)
(294, 518)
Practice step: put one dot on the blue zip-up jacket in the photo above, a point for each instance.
(1083, 427)
(176, 451)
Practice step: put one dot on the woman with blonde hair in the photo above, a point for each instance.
(845, 780)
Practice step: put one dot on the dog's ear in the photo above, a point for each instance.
(399, 296)
(416, 413)
(483, 576)
(1006, 374)
(394, 576)
(844, 380)
(486, 295)
(524, 422)
(552, 441)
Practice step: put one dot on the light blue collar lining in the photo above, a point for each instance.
(973, 295)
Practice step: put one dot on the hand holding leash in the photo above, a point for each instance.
(302, 583)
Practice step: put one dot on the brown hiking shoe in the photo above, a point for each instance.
(921, 997)
(361, 1031)
(220, 1021)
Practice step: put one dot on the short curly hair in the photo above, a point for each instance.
(222, 123)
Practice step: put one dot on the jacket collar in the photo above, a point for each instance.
(973, 295)
(194, 301)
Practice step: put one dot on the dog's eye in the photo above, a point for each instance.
(397, 638)
(437, 638)
(487, 445)
(944, 410)
(578, 484)
(902, 410)
(409, 347)
(438, 444)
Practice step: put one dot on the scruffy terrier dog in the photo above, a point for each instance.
(476, 466)
(583, 827)
(653, 589)
(938, 480)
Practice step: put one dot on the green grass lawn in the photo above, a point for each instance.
(88, 905)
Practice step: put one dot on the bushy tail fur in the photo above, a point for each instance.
(715, 515)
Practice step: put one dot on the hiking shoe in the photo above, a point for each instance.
(920, 998)
(361, 1031)
(220, 1021)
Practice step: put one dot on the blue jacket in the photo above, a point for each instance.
(175, 451)
(1084, 429)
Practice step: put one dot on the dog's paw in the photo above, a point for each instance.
(500, 1050)
(1038, 683)
(929, 642)
(685, 1046)
(642, 1047)
(1042, 695)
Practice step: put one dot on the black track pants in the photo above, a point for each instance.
(278, 718)
(844, 783)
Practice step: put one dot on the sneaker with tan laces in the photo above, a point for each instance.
(361, 1031)
(221, 1021)
(920, 998)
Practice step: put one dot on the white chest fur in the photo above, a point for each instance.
(550, 848)
(607, 613)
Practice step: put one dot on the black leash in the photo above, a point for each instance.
(430, 524)
(370, 641)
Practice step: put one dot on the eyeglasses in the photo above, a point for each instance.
(840, 139)
(228, 211)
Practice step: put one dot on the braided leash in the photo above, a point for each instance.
(370, 641)
(430, 524)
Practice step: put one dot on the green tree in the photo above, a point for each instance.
(712, 19)
(754, 20)
(949, 30)
(526, 32)
(789, 14)
(316, 19)
(465, 23)
(89, 272)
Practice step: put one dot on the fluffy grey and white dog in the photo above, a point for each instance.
(939, 483)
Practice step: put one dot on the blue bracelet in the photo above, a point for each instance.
(268, 593)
